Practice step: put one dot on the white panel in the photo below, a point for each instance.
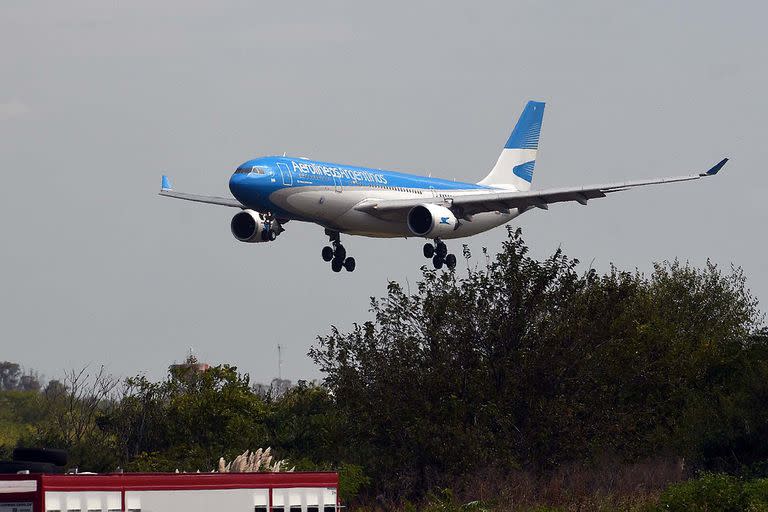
(132, 500)
(92, 500)
(72, 500)
(96, 500)
(313, 496)
(278, 497)
(294, 497)
(329, 496)
(192, 500)
(53, 501)
(114, 501)
(260, 498)
(9, 486)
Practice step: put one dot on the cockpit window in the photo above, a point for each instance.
(248, 169)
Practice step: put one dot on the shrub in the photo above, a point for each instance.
(756, 495)
(351, 481)
(708, 493)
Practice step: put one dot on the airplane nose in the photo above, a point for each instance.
(236, 184)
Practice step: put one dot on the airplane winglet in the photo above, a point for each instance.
(714, 170)
(166, 183)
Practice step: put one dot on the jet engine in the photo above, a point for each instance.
(251, 226)
(431, 220)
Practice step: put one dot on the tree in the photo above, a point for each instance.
(12, 378)
(70, 410)
(10, 373)
(534, 363)
(187, 421)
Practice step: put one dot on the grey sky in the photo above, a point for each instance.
(98, 98)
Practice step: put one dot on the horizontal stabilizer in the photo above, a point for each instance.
(166, 189)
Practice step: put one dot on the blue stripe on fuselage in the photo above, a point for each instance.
(254, 189)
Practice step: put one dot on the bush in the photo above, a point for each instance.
(756, 495)
(708, 493)
(351, 481)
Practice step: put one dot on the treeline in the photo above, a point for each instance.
(513, 367)
(13, 378)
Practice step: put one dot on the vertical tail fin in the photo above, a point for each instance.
(514, 168)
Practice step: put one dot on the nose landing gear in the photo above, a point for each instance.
(336, 254)
(438, 252)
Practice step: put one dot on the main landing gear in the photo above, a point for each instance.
(337, 255)
(438, 252)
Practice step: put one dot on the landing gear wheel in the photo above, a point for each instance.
(349, 264)
(429, 250)
(340, 253)
(437, 261)
(450, 261)
(336, 265)
(327, 253)
(441, 250)
(271, 236)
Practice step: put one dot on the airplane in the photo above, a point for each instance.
(345, 199)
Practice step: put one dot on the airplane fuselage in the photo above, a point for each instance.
(327, 193)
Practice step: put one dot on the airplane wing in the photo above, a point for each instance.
(466, 205)
(167, 190)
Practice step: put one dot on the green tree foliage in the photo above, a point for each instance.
(531, 363)
(194, 417)
(188, 421)
(20, 412)
(716, 493)
(69, 411)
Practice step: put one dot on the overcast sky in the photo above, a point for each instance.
(98, 98)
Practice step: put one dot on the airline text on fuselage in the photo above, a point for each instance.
(306, 168)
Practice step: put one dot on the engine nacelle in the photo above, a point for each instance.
(431, 220)
(250, 226)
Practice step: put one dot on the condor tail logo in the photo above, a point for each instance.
(524, 171)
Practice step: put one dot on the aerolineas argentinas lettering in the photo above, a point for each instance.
(304, 168)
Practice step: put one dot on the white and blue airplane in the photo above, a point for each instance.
(271, 191)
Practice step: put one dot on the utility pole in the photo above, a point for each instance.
(279, 362)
